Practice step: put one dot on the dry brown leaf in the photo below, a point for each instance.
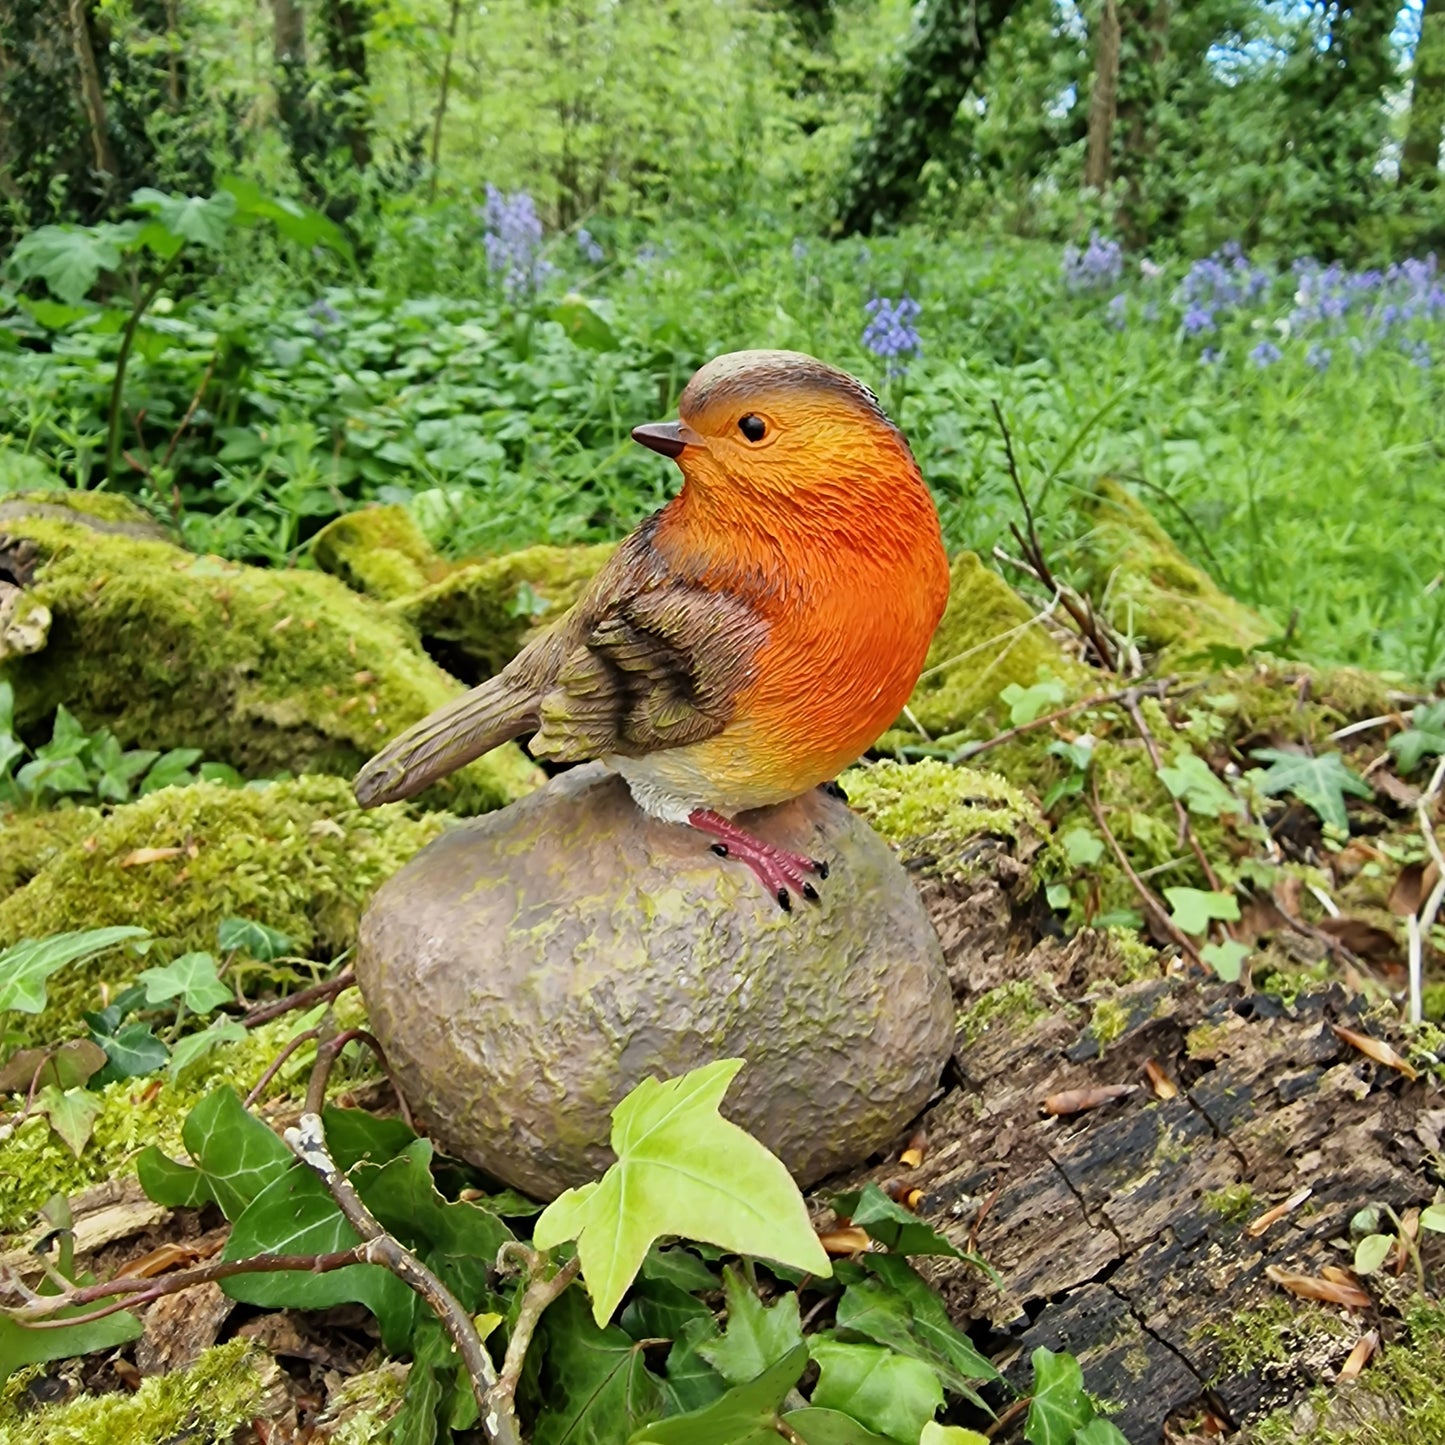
(1271, 1217)
(283, 624)
(1164, 1087)
(164, 1257)
(1365, 1347)
(1378, 1050)
(1397, 790)
(1307, 1286)
(849, 1240)
(1077, 1101)
(139, 857)
(1412, 888)
(1363, 939)
(916, 1151)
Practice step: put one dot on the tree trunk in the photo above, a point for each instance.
(1103, 101)
(944, 56)
(1144, 47)
(441, 111)
(288, 33)
(1420, 160)
(91, 91)
(346, 52)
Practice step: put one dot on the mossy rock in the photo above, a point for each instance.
(528, 969)
(204, 1405)
(989, 637)
(935, 814)
(379, 551)
(301, 856)
(1151, 591)
(481, 615)
(28, 841)
(271, 671)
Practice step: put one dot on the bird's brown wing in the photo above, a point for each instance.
(654, 661)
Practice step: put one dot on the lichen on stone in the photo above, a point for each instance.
(300, 856)
(940, 809)
(379, 551)
(204, 1405)
(270, 670)
(988, 638)
(481, 614)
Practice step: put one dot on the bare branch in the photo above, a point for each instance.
(542, 1289)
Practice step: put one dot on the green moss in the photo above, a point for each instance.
(379, 551)
(1432, 1002)
(1203, 1040)
(135, 1113)
(1286, 981)
(1397, 1401)
(1109, 1020)
(299, 856)
(1014, 1002)
(1235, 1203)
(1150, 590)
(989, 637)
(360, 1409)
(1267, 1334)
(1137, 959)
(28, 841)
(485, 611)
(273, 671)
(204, 1405)
(937, 809)
(102, 509)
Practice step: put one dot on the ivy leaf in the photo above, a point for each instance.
(1081, 847)
(25, 966)
(1433, 1218)
(1319, 783)
(757, 1336)
(130, 1053)
(67, 258)
(236, 1157)
(935, 1434)
(829, 1427)
(1027, 703)
(873, 1309)
(192, 979)
(1425, 737)
(72, 1114)
(657, 1310)
(20, 1346)
(681, 1169)
(1193, 908)
(67, 1067)
(595, 1381)
(170, 769)
(746, 1415)
(891, 1224)
(1195, 784)
(243, 935)
(892, 1394)
(1059, 1406)
(1096, 1432)
(353, 1135)
(1226, 959)
(196, 1046)
(692, 1382)
(677, 1266)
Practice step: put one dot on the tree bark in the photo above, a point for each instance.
(91, 92)
(288, 33)
(1144, 47)
(941, 63)
(1420, 159)
(1103, 101)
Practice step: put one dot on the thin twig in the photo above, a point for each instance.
(308, 1142)
(541, 1291)
(1147, 896)
(303, 998)
(1420, 924)
(1008, 1417)
(137, 1291)
(274, 1067)
(1158, 689)
(329, 1050)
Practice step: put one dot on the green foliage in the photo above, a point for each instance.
(25, 966)
(1424, 738)
(1060, 1413)
(1193, 909)
(1320, 783)
(682, 1169)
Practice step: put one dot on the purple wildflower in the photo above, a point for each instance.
(1318, 356)
(1096, 268)
(1265, 354)
(588, 245)
(1118, 312)
(514, 241)
(1198, 320)
(891, 334)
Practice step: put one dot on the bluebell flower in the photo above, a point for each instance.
(1265, 354)
(323, 310)
(1198, 320)
(890, 332)
(1096, 268)
(588, 245)
(1118, 311)
(1419, 353)
(1318, 356)
(1209, 356)
(513, 238)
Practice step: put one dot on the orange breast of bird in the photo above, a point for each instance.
(852, 593)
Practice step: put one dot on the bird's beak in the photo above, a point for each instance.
(667, 437)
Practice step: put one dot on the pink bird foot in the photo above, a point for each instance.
(778, 869)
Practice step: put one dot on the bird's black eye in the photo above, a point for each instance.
(754, 428)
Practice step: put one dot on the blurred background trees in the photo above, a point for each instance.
(1298, 125)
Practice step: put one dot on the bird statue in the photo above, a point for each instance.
(749, 640)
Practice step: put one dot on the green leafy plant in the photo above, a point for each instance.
(1319, 783)
(1424, 738)
(1375, 1244)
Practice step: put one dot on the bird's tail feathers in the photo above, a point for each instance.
(446, 740)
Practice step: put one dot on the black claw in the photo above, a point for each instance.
(810, 893)
(721, 849)
(785, 902)
(835, 790)
(820, 867)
